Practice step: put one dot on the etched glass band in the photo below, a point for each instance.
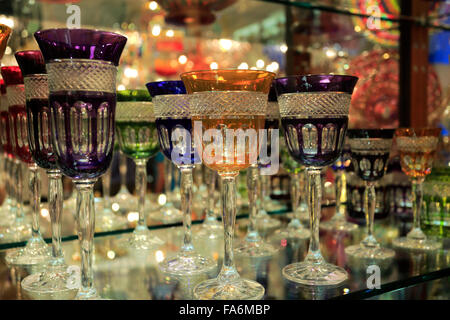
(81, 75)
(228, 103)
(4, 104)
(273, 110)
(135, 111)
(370, 145)
(36, 86)
(172, 106)
(417, 144)
(16, 94)
(314, 104)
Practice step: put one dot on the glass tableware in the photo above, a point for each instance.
(224, 101)
(6, 214)
(314, 115)
(262, 220)
(54, 281)
(36, 250)
(338, 222)
(7, 210)
(82, 67)
(173, 121)
(370, 152)
(106, 219)
(136, 132)
(253, 245)
(295, 231)
(417, 149)
(211, 227)
(168, 213)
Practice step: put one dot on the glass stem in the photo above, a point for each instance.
(211, 181)
(186, 206)
(339, 183)
(168, 181)
(141, 187)
(86, 229)
(252, 190)
(55, 202)
(369, 211)
(8, 185)
(106, 186)
(314, 192)
(295, 199)
(35, 189)
(20, 214)
(228, 272)
(123, 169)
(417, 198)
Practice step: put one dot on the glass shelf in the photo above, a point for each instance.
(384, 10)
(126, 275)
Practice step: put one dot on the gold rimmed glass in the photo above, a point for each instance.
(417, 149)
(224, 104)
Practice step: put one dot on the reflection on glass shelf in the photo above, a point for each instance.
(122, 274)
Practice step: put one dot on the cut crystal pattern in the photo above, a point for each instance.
(135, 111)
(36, 86)
(370, 145)
(228, 103)
(172, 106)
(314, 104)
(81, 75)
(417, 144)
(16, 94)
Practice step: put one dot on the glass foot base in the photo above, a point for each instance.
(240, 289)
(413, 244)
(106, 220)
(190, 263)
(358, 251)
(16, 232)
(255, 249)
(209, 231)
(142, 239)
(35, 252)
(169, 215)
(303, 215)
(52, 284)
(88, 295)
(265, 222)
(315, 274)
(291, 234)
(338, 225)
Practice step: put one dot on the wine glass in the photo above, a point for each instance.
(36, 250)
(82, 67)
(314, 115)
(54, 280)
(211, 227)
(229, 105)
(253, 245)
(168, 213)
(262, 220)
(370, 152)
(417, 149)
(173, 121)
(338, 222)
(295, 230)
(6, 214)
(136, 132)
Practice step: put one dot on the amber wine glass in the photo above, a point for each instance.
(417, 149)
(228, 109)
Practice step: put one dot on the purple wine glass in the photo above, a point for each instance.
(82, 69)
(52, 283)
(314, 116)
